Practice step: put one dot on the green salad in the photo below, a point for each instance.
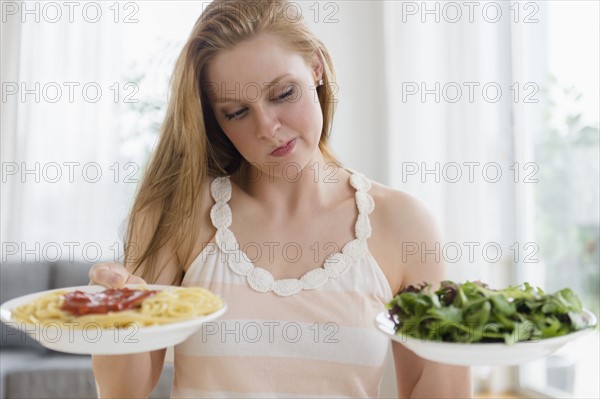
(473, 313)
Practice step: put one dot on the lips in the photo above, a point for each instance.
(284, 149)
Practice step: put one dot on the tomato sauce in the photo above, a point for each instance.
(81, 303)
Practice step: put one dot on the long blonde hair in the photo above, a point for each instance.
(192, 147)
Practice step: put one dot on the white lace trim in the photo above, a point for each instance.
(262, 280)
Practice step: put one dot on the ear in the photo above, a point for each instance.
(317, 66)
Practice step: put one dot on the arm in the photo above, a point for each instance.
(410, 223)
(419, 378)
(424, 378)
(127, 376)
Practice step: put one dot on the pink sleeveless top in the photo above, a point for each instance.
(308, 337)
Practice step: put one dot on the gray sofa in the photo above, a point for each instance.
(27, 369)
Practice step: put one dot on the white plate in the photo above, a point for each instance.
(481, 354)
(96, 341)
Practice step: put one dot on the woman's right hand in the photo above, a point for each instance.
(112, 275)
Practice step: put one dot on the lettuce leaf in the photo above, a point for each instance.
(472, 312)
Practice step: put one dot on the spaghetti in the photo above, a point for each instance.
(168, 306)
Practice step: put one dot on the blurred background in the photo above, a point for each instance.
(486, 111)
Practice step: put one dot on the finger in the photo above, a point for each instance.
(108, 275)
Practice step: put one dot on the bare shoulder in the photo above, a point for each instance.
(403, 227)
(398, 209)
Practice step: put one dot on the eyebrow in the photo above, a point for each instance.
(267, 84)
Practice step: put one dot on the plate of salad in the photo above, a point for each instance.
(471, 324)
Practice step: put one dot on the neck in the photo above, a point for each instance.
(291, 191)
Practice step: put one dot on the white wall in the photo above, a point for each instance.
(353, 33)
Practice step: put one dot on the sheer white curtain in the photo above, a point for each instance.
(450, 107)
(61, 89)
(420, 109)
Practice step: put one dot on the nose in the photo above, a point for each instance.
(267, 121)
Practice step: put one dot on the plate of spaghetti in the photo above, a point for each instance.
(95, 320)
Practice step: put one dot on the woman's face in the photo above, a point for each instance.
(264, 98)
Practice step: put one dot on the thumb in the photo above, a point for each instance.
(133, 279)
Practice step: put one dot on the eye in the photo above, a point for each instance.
(288, 93)
(236, 115)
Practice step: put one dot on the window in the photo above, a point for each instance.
(564, 202)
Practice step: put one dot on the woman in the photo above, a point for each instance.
(244, 197)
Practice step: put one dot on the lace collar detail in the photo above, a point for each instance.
(262, 280)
